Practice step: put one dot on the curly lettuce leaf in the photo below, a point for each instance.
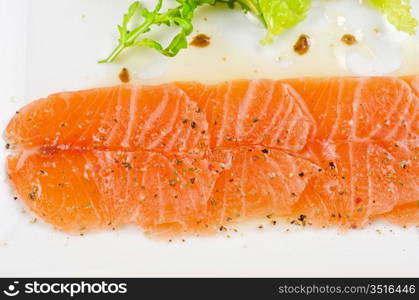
(280, 15)
(398, 13)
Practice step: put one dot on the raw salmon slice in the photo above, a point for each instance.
(192, 158)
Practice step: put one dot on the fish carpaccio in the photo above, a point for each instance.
(191, 158)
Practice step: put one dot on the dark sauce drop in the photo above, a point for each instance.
(302, 45)
(201, 41)
(124, 75)
(348, 39)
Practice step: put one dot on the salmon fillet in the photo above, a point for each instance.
(188, 158)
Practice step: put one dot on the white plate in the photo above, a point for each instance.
(53, 45)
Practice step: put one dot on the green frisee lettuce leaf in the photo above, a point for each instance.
(280, 15)
(398, 13)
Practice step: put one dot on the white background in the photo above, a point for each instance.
(53, 45)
